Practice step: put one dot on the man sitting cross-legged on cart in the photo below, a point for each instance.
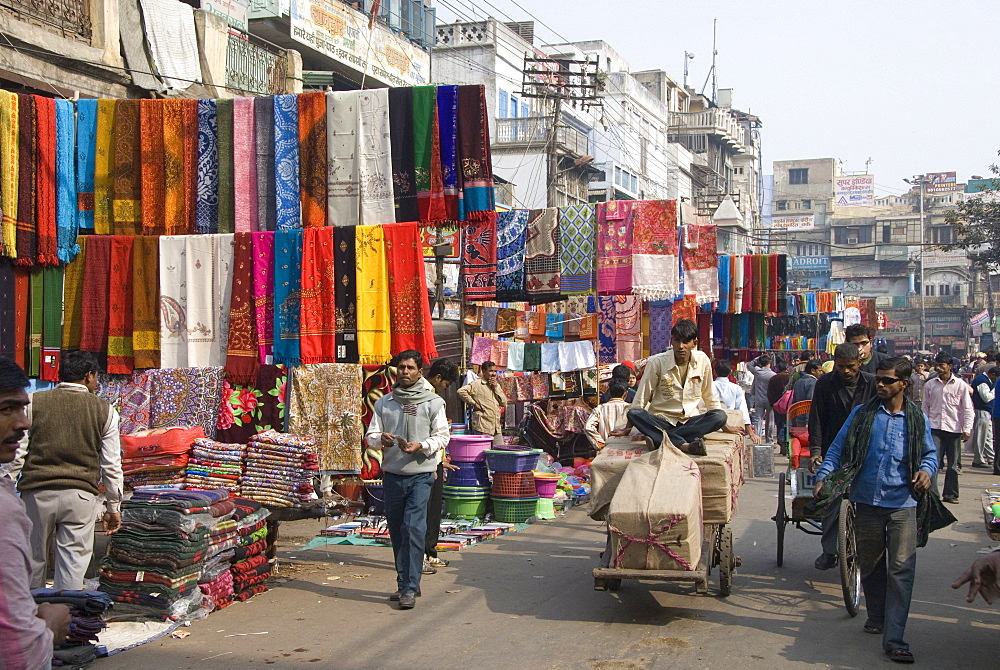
(883, 458)
(673, 385)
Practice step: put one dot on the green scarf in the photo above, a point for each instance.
(931, 512)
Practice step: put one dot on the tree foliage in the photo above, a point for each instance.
(976, 223)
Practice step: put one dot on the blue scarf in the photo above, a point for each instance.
(287, 285)
(86, 154)
(67, 223)
(207, 203)
(286, 161)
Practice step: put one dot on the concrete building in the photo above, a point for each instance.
(801, 214)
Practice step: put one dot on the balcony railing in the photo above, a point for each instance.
(254, 66)
(535, 130)
(70, 17)
(711, 121)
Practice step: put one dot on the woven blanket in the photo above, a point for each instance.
(186, 397)
(655, 274)
(131, 395)
(512, 228)
(615, 231)
(541, 256)
(374, 340)
(324, 405)
(286, 162)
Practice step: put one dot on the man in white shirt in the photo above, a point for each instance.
(948, 405)
(732, 396)
(608, 416)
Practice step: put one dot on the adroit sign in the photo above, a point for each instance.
(809, 263)
(854, 191)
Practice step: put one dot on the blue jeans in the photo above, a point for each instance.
(406, 499)
(887, 554)
(949, 450)
(653, 426)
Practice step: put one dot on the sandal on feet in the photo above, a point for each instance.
(900, 655)
(873, 629)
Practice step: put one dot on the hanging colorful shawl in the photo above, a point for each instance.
(409, 307)
(249, 409)
(701, 271)
(615, 236)
(263, 109)
(145, 287)
(287, 284)
(66, 196)
(86, 154)
(447, 105)
(512, 229)
(73, 299)
(224, 116)
(749, 277)
(608, 312)
(120, 358)
(27, 239)
(174, 212)
(9, 149)
(94, 314)
(244, 166)
(22, 289)
(374, 151)
(324, 406)
(782, 276)
(345, 266)
(474, 153)
(126, 170)
(318, 302)
(660, 322)
(207, 204)
(427, 154)
(401, 127)
(655, 269)
(704, 332)
(36, 318)
(190, 142)
(186, 397)
(374, 341)
(263, 293)
(208, 310)
(312, 157)
(724, 285)
(8, 313)
(286, 162)
(773, 284)
(541, 256)
(685, 308)
(738, 264)
(343, 188)
(241, 355)
(479, 258)
(103, 163)
(131, 395)
(577, 231)
(173, 300)
(628, 327)
(45, 182)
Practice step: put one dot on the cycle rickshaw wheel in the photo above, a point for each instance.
(850, 569)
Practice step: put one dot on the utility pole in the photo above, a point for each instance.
(920, 181)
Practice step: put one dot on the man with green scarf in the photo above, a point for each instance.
(410, 426)
(885, 456)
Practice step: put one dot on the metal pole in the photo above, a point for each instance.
(923, 290)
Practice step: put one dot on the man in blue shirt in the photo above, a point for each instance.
(885, 454)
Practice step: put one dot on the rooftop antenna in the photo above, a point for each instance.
(687, 57)
(711, 71)
(868, 165)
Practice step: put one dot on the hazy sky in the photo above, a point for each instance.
(914, 86)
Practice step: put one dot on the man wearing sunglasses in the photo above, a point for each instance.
(948, 405)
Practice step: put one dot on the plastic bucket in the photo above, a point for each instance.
(468, 474)
(464, 491)
(469, 448)
(465, 508)
(544, 509)
(546, 485)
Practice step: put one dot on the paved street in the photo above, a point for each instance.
(527, 600)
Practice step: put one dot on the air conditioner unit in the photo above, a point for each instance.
(852, 240)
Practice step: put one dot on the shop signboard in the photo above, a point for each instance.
(792, 223)
(854, 191)
(941, 182)
(809, 263)
(233, 11)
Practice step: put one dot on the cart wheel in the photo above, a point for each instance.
(600, 584)
(780, 518)
(850, 570)
(614, 584)
(726, 562)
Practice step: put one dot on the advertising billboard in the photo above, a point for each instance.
(941, 182)
(854, 191)
(792, 223)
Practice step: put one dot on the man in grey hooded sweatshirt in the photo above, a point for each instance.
(410, 426)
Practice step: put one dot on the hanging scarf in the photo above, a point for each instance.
(241, 355)
(263, 293)
(655, 268)
(244, 166)
(103, 162)
(409, 307)
(374, 151)
(427, 155)
(73, 299)
(479, 258)
(224, 115)
(512, 230)
(287, 285)
(263, 110)
(748, 283)
(22, 288)
(608, 352)
(724, 285)
(474, 152)
(173, 301)
(318, 302)
(36, 318)
(145, 286)
(94, 314)
(9, 149)
(401, 128)
(86, 155)
(701, 271)
(312, 157)
(45, 182)
(120, 356)
(577, 231)
(207, 204)
(345, 262)
(660, 322)
(447, 105)
(8, 314)
(126, 170)
(774, 284)
(628, 327)
(615, 235)
(27, 231)
(67, 221)
(343, 188)
(685, 308)
(174, 212)
(374, 342)
(209, 266)
(782, 276)
(541, 256)
(189, 114)
(286, 162)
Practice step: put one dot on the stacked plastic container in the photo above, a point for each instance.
(467, 489)
(546, 485)
(514, 495)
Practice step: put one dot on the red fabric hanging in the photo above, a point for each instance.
(409, 307)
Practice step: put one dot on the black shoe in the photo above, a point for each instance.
(953, 501)
(407, 601)
(696, 447)
(395, 596)
(826, 561)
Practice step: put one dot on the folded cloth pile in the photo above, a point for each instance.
(87, 609)
(220, 589)
(279, 469)
(215, 465)
(158, 457)
(251, 567)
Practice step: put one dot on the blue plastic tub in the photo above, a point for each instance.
(468, 474)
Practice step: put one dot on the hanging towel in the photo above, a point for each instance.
(224, 115)
(615, 228)
(45, 183)
(173, 41)
(515, 357)
(9, 149)
(628, 327)
(576, 356)
(103, 163)
(606, 333)
(312, 157)
(345, 265)
(86, 150)
(126, 170)
(287, 284)
(541, 256)
(474, 152)
(241, 353)
(343, 129)
(374, 341)
(479, 258)
(120, 356)
(427, 155)
(577, 232)
(286, 162)
(550, 357)
(153, 165)
(532, 356)
(701, 269)
(655, 274)
(96, 279)
(27, 227)
(409, 308)
(318, 303)
(244, 166)
(512, 229)
(207, 205)
(263, 293)
(263, 109)
(447, 103)
(52, 281)
(401, 128)
(374, 151)
(145, 287)
(73, 298)
(66, 196)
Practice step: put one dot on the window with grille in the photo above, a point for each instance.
(798, 176)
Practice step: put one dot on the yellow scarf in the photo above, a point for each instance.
(103, 163)
(9, 160)
(73, 299)
(374, 342)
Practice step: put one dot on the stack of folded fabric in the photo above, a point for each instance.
(249, 576)
(251, 567)
(215, 465)
(220, 589)
(87, 608)
(279, 469)
(158, 457)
